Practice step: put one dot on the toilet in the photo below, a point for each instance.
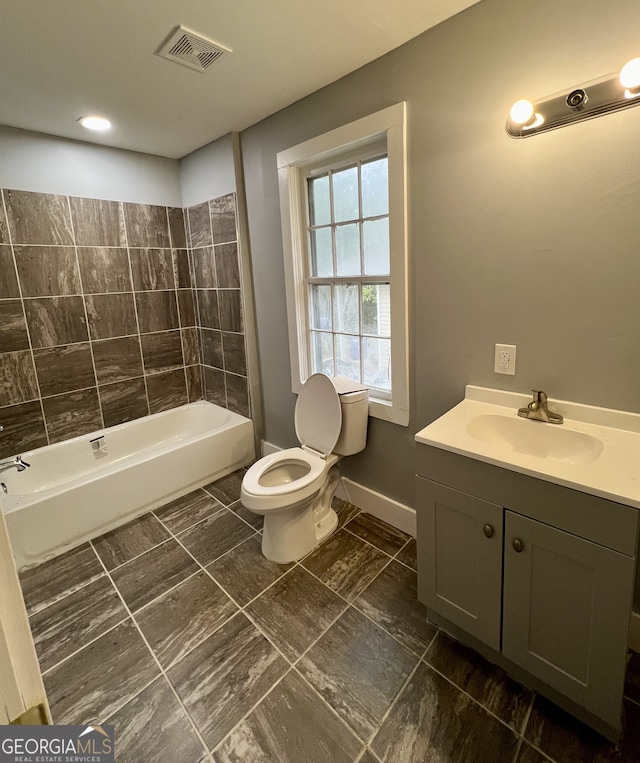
(293, 488)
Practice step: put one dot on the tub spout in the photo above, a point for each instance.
(16, 463)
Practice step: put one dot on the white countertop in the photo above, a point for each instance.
(609, 467)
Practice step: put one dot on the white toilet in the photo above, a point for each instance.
(293, 488)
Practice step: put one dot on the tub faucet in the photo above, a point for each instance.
(17, 462)
(538, 410)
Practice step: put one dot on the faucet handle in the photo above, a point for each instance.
(539, 396)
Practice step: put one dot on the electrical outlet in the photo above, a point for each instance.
(505, 359)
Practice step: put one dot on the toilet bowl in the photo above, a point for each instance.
(293, 488)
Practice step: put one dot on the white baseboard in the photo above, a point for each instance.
(634, 632)
(268, 448)
(385, 508)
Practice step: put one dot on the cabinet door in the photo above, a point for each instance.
(566, 612)
(460, 559)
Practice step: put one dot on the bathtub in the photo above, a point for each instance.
(80, 488)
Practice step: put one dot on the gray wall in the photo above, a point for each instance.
(531, 242)
(208, 172)
(31, 161)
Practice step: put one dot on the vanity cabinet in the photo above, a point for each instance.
(537, 577)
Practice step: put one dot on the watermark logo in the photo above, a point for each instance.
(57, 744)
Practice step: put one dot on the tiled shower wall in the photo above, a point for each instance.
(98, 321)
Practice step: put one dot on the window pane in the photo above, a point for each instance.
(376, 309)
(348, 250)
(376, 247)
(322, 353)
(321, 254)
(376, 356)
(319, 203)
(346, 308)
(348, 356)
(375, 188)
(321, 307)
(345, 195)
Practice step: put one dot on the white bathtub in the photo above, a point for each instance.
(78, 489)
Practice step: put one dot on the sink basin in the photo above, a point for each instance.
(535, 438)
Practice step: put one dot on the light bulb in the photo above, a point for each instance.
(95, 123)
(630, 74)
(522, 112)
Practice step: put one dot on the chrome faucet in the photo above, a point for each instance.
(17, 462)
(538, 410)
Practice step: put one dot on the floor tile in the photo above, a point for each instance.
(632, 683)
(345, 563)
(102, 677)
(255, 520)
(224, 677)
(345, 510)
(408, 555)
(382, 535)
(566, 740)
(528, 754)
(215, 536)
(153, 573)
(48, 582)
(290, 725)
(227, 489)
(181, 619)
(486, 683)
(187, 511)
(126, 542)
(392, 601)
(74, 621)
(153, 727)
(358, 669)
(368, 757)
(295, 611)
(432, 720)
(244, 572)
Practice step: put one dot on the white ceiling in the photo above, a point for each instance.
(63, 59)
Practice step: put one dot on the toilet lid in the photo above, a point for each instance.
(318, 416)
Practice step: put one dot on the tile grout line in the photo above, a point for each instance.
(174, 267)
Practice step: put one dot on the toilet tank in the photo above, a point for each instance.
(354, 401)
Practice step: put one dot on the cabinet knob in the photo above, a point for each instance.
(488, 531)
(518, 545)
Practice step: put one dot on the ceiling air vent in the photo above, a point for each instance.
(190, 49)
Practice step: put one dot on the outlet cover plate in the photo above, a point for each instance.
(505, 359)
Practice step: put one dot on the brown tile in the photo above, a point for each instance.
(117, 359)
(166, 390)
(13, 329)
(8, 281)
(23, 428)
(380, 534)
(38, 218)
(223, 218)
(72, 414)
(199, 225)
(255, 520)
(227, 268)
(408, 555)
(237, 394)
(161, 352)
(47, 271)
(188, 510)
(346, 511)
(176, 227)
(190, 346)
(234, 354)
(123, 401)
(97, 222)
(4, 228)
(130, 540)
(147, 225)
(182, 268)
(153, 573)
(295, 611)
(17, 378)
(157, 311)
(207, 300)
(211, 348)
(187, 307)
(152, 269)
(111, 315)
(215, 536)
(204, 268)
(56, 320)
(214, 388)
(230, 310)
(486, 683)
(528, 754)
(104, 270)
(194, 383)
(227, 489)
(64, 369)
(345, 563)
(432, 720)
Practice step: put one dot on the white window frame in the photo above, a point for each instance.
(293, 166)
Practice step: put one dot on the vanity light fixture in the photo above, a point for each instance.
(99, 124)
(610, 93)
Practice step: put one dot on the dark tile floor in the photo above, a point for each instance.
(175, 629)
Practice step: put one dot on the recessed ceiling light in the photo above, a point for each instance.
(95, 123)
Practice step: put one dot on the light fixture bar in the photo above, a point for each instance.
(587, 101)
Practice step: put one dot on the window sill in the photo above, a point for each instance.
(381, 409)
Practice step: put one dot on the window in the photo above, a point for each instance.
(343, 202)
